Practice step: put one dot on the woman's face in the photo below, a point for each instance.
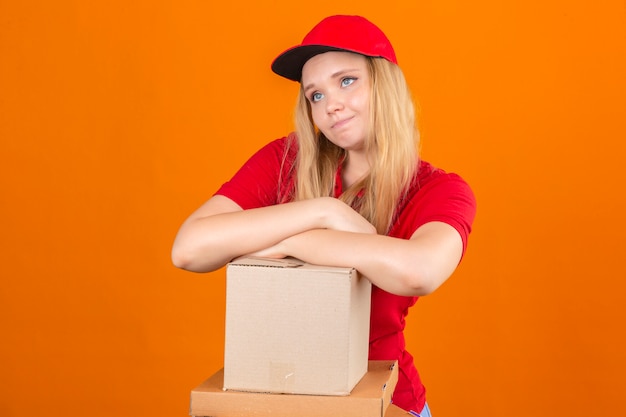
(337, 85)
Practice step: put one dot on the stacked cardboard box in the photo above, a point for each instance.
(295, 328)
(296, 344)
(370, 398)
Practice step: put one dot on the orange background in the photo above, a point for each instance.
(118, 118)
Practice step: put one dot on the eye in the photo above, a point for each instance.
(315, 97)
(347, 81)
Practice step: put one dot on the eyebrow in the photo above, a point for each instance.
(334, 75)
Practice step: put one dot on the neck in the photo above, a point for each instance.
(355, 167)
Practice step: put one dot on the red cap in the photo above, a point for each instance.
(335, 33)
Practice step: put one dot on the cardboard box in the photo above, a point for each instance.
(370, 398)
(295, 328)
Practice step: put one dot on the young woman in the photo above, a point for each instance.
(346, 189)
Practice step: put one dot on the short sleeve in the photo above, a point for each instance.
(263, 179)
(438, 196)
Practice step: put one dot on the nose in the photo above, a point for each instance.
(333, 103)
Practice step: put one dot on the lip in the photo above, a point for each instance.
(341, 123)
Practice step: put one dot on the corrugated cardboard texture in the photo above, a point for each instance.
(370, 398)
(295, 328)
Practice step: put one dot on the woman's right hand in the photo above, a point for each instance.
(340, 216)
(335, 215)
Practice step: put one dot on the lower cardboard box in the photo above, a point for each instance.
(371, 397)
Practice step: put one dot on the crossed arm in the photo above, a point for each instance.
(322, 231)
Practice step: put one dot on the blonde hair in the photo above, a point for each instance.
(392, 146)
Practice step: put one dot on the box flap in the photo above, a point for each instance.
(269, 262)
(288, 262)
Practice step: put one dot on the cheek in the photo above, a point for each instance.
(361, 102)
(317, 116)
